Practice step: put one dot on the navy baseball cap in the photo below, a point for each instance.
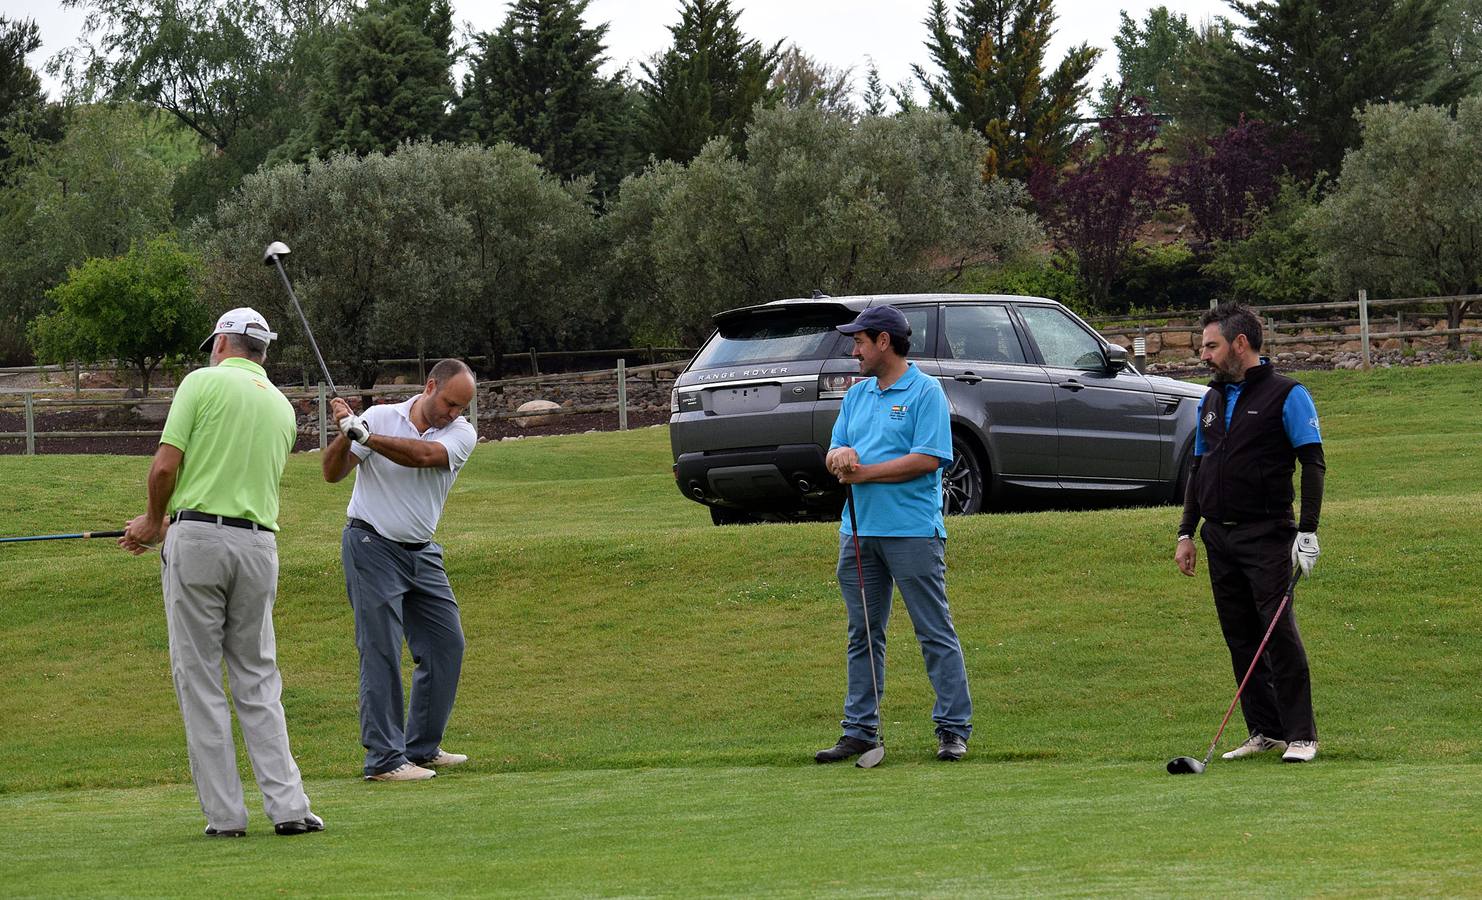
(879, 318)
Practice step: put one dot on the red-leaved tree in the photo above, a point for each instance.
(1235, 177)
(1094, 207)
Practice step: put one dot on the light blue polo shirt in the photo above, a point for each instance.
(910, 416)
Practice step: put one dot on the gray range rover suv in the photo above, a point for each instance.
(1041, 405)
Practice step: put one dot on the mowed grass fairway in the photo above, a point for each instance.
(643, 692)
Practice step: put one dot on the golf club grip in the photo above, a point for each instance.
(1270, 629)
(308, 332)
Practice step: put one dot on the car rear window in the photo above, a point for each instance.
(772, 337)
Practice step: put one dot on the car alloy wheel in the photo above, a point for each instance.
(962, 483)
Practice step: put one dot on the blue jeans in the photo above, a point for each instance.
(917, 565)
(402, 594)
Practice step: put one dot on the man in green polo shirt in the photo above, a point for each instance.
(215, 476)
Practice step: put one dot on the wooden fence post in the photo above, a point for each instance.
(622, 377)
(30, 424)
(534, 363)
(1364, 324)
(323, 417)
(76, 378)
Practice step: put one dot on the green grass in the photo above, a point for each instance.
(642, 691)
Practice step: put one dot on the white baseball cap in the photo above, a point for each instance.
(242, 320)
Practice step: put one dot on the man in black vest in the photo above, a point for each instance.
(1253, 427)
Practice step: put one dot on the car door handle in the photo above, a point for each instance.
(1072, 385)
(968, 378)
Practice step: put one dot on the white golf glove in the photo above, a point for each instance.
(355, 428)
(1305, 551)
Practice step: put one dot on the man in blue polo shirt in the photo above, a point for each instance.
(890, 442)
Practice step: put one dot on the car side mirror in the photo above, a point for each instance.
(1116, 358)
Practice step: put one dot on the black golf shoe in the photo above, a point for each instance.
(305, 825)
(847, 748)
(225, 832)
(950, 747)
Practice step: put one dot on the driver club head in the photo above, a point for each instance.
(274, 250)
(1185, 765)
(870, 758)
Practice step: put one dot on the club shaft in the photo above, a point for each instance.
(1270, 629)
(864, 602)
(308, 332)
(62, 537)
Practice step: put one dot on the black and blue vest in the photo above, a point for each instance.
(1245, 474)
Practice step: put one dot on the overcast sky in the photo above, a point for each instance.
(839, 33)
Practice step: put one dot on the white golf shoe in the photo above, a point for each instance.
(443, 759)
(1256, 743)
(1300, 751)
(403, 772)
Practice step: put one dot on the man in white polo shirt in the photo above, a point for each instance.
(406, 456)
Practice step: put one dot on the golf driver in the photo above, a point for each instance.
(272, 256)
(1188, 765)
(872, 757)
(62, 537)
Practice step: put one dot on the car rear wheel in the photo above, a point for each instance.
(962, 483)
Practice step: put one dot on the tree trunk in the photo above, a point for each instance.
(1454, 314)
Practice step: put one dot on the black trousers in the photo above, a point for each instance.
(1250, 566)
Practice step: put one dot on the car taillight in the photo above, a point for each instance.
(674, 400)
(834, 387)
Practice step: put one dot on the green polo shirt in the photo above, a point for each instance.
(236, 431)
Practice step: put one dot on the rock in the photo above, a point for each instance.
(537, 406)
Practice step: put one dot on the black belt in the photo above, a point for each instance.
(363, 525)
(190, 515)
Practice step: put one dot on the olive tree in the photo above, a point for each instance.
(818, 203)
(143, 308)
(1406, 215)
(431, 250)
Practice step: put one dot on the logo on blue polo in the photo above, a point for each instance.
(898, 411)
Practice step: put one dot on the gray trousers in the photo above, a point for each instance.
(219, 584)
(398, 593)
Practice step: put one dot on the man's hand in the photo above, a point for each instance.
(1305, 551)
(842, 461)
(351, 426)
(142, 534)
(1187, 555)
(355, 428)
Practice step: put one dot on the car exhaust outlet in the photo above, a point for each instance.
(696, 491)
(805, 485)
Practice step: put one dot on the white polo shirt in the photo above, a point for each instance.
(404, 503)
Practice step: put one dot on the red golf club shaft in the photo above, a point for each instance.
(1291, 589)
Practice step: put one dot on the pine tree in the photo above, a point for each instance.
(535, 83)
(874, 96)
(705, 84)
(389, 78)
(1311, 65)
(992, 56)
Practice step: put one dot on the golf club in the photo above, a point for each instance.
(62, 537)
(272, 256)
(872, 757)
(1188, 765)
